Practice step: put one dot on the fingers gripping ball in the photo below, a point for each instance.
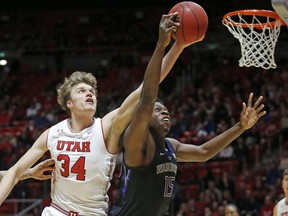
(193, 22)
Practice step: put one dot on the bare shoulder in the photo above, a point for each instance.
(42, 140)
(111, 131)
(174, 142)
(44, 134)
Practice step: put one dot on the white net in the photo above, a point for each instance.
(257, 44)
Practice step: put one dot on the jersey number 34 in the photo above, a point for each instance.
(77, 168)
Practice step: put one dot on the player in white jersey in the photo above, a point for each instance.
(83, 147)
(281, 209)
(84, 159)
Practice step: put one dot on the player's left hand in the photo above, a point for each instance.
(250, 114)
(169, 23)
(184, 45)
(38, 171)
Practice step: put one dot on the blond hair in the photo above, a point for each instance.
(64, 91)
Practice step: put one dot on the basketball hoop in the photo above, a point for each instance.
(257, 32)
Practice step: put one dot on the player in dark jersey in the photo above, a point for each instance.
(149, 159)
(143, 182)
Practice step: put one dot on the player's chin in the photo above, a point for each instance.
(167, 126)
(90, 109)
(166, 129)
(90, 105)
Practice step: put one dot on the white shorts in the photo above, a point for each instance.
(50, 211)
(55, 210)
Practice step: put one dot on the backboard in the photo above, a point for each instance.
(281, 8)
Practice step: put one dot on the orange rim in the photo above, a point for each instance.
(253, 12)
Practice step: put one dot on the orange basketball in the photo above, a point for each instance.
(193, 22)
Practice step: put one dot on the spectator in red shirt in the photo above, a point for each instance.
(267, 208)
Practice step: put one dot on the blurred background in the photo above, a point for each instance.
(41, 42)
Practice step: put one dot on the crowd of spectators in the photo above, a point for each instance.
(205, 98)
(247, 173)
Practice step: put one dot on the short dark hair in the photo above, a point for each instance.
(285, 172)
(231, 205)
(159, 100)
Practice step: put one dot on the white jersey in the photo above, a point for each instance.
(84, 168)
(282, 208)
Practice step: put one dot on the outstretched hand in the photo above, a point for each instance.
(168, 24)
(250, 114)
(38, 171)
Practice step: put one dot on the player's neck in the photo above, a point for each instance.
(158, 137)
(77, 124)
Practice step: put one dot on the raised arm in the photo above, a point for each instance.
(136, 133)
(249, 116)
(121, 117)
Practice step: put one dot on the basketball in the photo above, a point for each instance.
(193, 22)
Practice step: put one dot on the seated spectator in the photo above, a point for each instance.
(231, 210)
(267, 208)
(283, 160)
(41, 120)
(5, 118)
(227, 152)
(227, 183)
(183, 210)
(212, 192)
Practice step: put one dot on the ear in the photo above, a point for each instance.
(69, 104)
